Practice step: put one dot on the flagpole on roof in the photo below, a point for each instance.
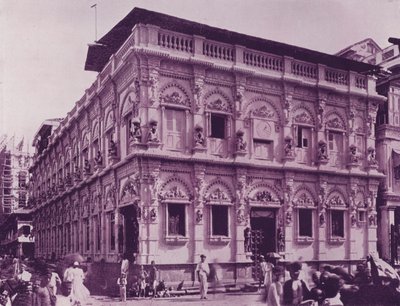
(95, 21)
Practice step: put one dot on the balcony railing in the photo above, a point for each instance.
(175, 41)
(218, 50)
(264, 61)
(304, 70)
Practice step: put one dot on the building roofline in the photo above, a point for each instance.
(358, 43)
(99, 54)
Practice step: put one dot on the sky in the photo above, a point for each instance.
(43, 43)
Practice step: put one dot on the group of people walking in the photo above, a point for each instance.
(44, 286)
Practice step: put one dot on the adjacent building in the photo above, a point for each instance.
(387, 140)
(14, 207)
(197, 140)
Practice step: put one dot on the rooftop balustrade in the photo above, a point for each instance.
(148, 37)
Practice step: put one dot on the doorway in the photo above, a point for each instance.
(130, 230)
(262, 220)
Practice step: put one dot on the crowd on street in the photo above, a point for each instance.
(26, 282)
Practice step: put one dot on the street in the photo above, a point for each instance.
(237, 299)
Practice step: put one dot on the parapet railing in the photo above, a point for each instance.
(197, 47)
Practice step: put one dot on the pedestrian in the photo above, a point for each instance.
(267, 272)
(24, 275)
(275, 289)
(55, 282)
(79, 292)
(65, 298)
(203, 270)
(332, 294)
(215, 275)
(121, 281)
(142, 281)
(153, 279)
(125, 264)
(69, 274)
(295, 290)
(43, 296)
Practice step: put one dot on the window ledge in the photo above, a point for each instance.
(336, 240)
(219, 239)
(176, 240)
(305, 240)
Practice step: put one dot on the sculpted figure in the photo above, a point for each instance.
(153, 135)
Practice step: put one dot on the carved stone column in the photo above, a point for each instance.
(287, 216)
(322, 187)
(199, 183)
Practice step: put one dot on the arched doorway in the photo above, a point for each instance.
(128, 231)
(263, 221)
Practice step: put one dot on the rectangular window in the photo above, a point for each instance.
(361, 216)
(218, 126)
(219, 219)
(337, 223)
(263, 149)
(176, 220)
(112, 232)
(303, 137)
(175, 129)
(305, 222)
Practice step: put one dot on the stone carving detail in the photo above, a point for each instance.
(287, 108)
(86, 167)
(153, 215)
(110, 198)
(199, 139)
(289, 147)
(353, 154)
(175, 98)
(112, 151)
(153, 133)
(322, 151)
(263, 196)
(281, 239)
(289, 218)
(372, 220)
(128, 192)
(199, 216)
(372, 157)
(219, 105)
(135, 132)
(153, 84)
(322, 218)
(335, 123)
(218, 195)
(336, 201)
(174, 193)
(321, 109)
(98, 159)
(240, 217)
(240, 143)
(303, 118)
(198, 92)
(77, 174)
(304, 201)
(263, 112)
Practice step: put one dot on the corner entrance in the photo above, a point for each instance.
(129, 233)
(263, 221)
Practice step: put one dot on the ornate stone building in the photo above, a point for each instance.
(387, 141)
(192, 138)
